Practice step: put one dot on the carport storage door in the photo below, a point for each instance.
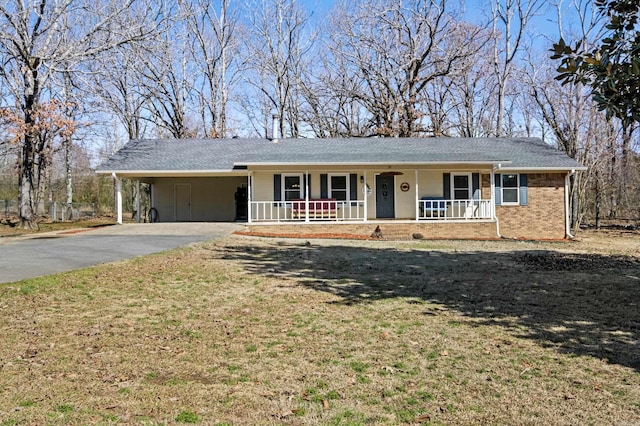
(183, 202)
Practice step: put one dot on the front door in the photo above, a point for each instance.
(183, 202)
(385, 197)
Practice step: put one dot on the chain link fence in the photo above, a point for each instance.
(57, 212)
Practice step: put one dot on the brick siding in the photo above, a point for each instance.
(543, 217)
(390, 231)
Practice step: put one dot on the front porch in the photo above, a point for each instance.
(323, 195)
(330, 210)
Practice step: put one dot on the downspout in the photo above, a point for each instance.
(567, 219)
(493, 198)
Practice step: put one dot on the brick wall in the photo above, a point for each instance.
(543, 217)
(391, 231)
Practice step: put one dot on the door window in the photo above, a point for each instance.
(461, 185)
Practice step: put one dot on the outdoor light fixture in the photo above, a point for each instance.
(361, 179)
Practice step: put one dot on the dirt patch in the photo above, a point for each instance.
(552, 261)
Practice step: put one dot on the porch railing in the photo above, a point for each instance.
(297, 211)
(436, 209)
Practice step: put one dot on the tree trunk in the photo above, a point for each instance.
(67, 166)
(25, 188)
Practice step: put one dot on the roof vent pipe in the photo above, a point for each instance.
(276, 126)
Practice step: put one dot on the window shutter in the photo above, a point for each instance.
(324, 190)
(524, 192)
(446, 186)
(353, 187)
(277, 187)
(475, 185)
(498, 181)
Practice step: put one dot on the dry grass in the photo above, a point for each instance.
(9, 228)
(270, 331)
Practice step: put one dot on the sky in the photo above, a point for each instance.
(544, 25)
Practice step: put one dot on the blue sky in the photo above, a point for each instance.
(543, 26)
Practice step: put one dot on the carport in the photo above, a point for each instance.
(189, 197)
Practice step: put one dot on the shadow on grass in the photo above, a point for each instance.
(583, 304)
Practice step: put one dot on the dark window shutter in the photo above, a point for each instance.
(446, 186)
(353, 187)
(498, 181)
(324, 190)
(524, 193)
(277, 187)
(475, 185)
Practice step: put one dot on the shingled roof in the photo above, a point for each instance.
(226, 155)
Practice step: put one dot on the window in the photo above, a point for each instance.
(292, 187)
(461, 185)
(339, 187)
(510, 189)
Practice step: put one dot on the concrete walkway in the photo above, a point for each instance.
(48, 253)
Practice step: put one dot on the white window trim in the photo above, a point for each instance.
(469, 187)
(283, 185)
(347, 180)
(517, 188)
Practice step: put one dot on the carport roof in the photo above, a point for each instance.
(199, 156)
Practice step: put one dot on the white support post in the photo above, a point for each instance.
(492, 177)
(138, 201)
(364, 192)
(249, 197)
(118, 199)
(415, 201)
(306, 196)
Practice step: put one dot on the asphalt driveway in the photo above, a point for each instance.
(44, 254)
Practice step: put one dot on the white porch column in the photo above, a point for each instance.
(492, 177)
(138, 201)
(118, 199)
(364, 195)
(249, 196)
(306, 196)
(417, 198)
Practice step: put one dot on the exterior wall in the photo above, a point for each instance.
(543, 217)
(390, 231)
(429, 184)
(212, 198)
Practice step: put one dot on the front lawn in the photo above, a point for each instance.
(246, 331)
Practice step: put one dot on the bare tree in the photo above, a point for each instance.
(275, 50)
(116, 89)
(510, 19)
(214, 48)
(41, 37)
(398, 48)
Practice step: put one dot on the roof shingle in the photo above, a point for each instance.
(222, 154)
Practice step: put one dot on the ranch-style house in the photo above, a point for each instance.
(437, 187)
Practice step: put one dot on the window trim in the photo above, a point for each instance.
(347, 189)
(516, 188)
(469, 185)
(283, 185)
